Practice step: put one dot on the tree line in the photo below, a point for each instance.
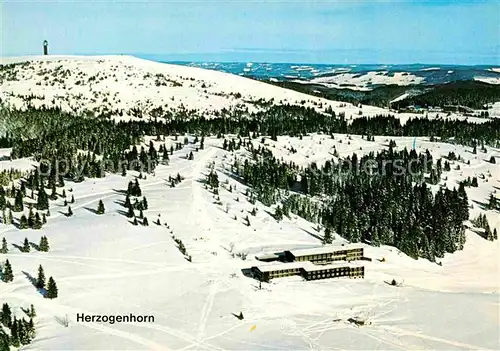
(378, 206)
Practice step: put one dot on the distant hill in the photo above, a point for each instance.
(472, 94)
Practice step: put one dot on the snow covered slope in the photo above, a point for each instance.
(121, 83)
(127, 87)
(365, 81)
(104, 265)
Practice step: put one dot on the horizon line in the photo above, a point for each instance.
(160, 58)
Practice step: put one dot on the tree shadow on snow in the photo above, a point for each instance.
(35, 246)
(94, 211)
(312, 234)
(32, 280)
(120, 202)
(19, 247)
(239, 316)
(132, 222)
(482, 205)
(234, 177)
(121, 212)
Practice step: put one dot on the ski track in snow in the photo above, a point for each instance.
(402, 332)
(207, 308)
(53, 304)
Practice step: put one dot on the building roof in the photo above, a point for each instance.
(321, 250)
(314, 267)
(267, 256)
(308, 266)
(280, 266)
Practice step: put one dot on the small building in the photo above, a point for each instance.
(325, 254)
(334, 270)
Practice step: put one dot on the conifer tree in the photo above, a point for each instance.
(44, 244)
(38, 222)
(145, 222)
(492, 203)
(135, 221)
(40, 280)
(32, 311)
(18, 201)
(44, 218)
(4, 249)
(26, 245)
(70, 212)
(31, 328)
(191, 156)
(278, 213)
(51, 289)
(138, 205)
(7, 274)
(474, 182)
(130, 189)
(14, 335)
(43, 199)
(9, 217)
(488, 233)
(31, 218)
(127, 201)
(53, 194)
(144, 203)
(4, 340)
(100, 207)
(137, 189)
(6, 315)
(130, 212)
(72, 199)
(327, 239)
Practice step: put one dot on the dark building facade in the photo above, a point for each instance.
(268, 272)
(308, 271)
(333, 271)
(324, 255)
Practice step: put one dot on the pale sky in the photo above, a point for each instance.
(376, 31)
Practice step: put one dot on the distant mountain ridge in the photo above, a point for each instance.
(398, 86)
(326, 74)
